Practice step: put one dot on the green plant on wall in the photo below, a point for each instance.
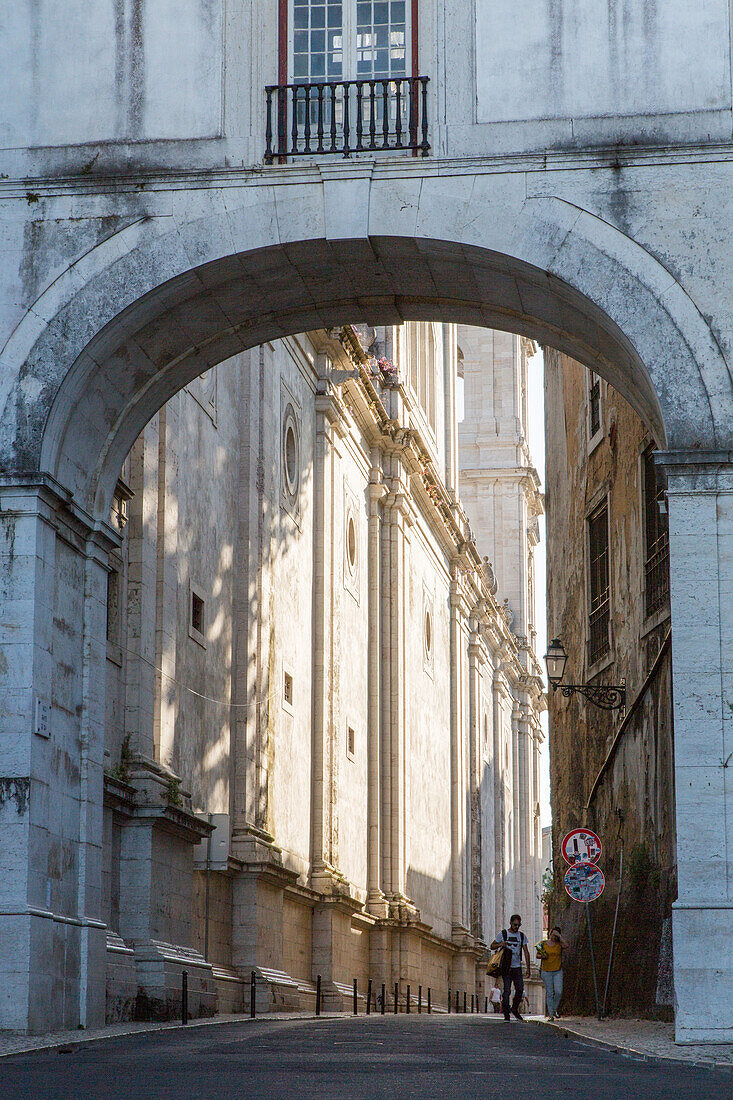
(173, 792)
(122, 771)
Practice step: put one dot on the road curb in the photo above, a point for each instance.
(73, 1040)
(632, 1052)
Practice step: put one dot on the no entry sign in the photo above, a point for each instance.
(581, 846)
(584, 882)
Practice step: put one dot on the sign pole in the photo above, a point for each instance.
(592, 960)
(615, 920)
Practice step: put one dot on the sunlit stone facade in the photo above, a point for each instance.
(305, 644)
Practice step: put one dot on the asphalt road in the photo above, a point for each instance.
(377, 1058)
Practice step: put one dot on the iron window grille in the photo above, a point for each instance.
(594, 405)
(656, 524)
(599, 585)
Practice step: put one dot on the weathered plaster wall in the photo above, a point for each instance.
(634, 767)
(111, 70)
(586, 64)
(123, 72)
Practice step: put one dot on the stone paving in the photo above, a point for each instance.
(647, 1037)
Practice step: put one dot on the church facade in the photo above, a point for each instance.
(322, 735)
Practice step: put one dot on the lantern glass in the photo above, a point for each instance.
(555, 659)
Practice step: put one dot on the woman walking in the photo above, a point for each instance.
(551, 969)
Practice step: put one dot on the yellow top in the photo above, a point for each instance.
(553, 956)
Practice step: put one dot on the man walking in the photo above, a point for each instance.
(515, 943)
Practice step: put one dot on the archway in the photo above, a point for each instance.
(134, 320)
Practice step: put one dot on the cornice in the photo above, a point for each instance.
(107, 175)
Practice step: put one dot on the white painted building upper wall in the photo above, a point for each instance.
(540, 59)
(505, 76)
(85, 71)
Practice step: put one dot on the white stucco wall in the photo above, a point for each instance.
(544, 74)
(110, 70)
(428, 726)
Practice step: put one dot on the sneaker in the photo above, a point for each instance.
(507, 1017)
(516, 1014)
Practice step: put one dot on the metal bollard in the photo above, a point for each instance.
(456, 1000)
(252, 994)
(449, 1000)
(472, 1004)
(408, 999)
(396, 994)
(369, 997)
(464, 1000)
(429, 1006)
(356, 999)
(184, 997)
(384, 998)
(486, 1005)
(419, 999)
(318, 995)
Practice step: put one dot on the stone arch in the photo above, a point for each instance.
(134, 320)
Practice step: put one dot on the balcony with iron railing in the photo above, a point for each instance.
(347, 117)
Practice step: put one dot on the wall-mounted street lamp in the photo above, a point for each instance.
(605, 696)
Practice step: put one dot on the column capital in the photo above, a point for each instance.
(42, 496)
(697, 471)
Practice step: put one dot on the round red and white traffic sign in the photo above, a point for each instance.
(581, 846)
(584, 882)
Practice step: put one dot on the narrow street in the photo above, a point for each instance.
(340, 1059)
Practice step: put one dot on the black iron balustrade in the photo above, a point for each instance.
(347, 116)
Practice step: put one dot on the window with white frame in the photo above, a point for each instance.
(348, 39)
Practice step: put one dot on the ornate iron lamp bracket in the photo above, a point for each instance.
(605, 696)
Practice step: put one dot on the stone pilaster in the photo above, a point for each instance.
(376, 902)
(700, 501)
(324, 857)
(475, 654)
(397, 518)
(53, 562)
(460, 780)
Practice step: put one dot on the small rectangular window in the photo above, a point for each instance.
(288, 689)
(594, 410)
(350, 742)
(113, 607)
(197, 613)
(197, 616)
(598, 585)
(656, 536)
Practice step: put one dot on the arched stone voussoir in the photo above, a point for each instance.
(164, 300)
